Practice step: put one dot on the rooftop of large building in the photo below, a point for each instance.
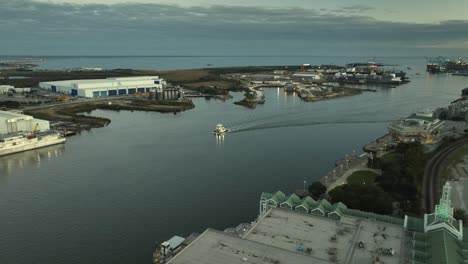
(330, 240)
(107, 80)
(285, 236)
(215, 247)
(7, 115)
(419, 122)
(289, 235)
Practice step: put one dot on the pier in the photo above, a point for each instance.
(380, 146)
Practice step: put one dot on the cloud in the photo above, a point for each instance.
(101, 27)
(353, 9)
(447, 45)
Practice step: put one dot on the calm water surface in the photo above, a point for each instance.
(109, 194)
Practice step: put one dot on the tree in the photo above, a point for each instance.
(460, 214)
(317, 189)
(368, 198)
(402, 173)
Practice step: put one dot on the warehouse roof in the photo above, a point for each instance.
(71, 82)
(107, 80)
(327, 239)
(12, 115)
(285, 236)
(215, 247)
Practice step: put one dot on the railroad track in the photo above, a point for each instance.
(431, 174)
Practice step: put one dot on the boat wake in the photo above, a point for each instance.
(293, 120)
(272, 126)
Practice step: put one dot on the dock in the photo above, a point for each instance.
(380, 146)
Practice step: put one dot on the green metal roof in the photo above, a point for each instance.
(443, 248)
(292, 200)
(415, 224)
(266, 196)
(339, 205)
(278, 197)
(320, 207)
(306, 202)
(465, 231)
(338, 211)
(326, 205)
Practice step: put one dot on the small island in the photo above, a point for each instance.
(252, 98)
(319, 93)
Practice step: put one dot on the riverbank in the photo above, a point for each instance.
(205, 80)
(70, 117)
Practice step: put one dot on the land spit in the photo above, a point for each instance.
(70, 118)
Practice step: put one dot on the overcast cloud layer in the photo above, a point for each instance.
(29, 27)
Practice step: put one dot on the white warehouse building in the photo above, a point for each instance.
(12, 123)
(105, 87)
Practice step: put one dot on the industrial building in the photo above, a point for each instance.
(306, 76)
(5, 89)
(168, 93)
(14, 123)
(458, 109)
(295, 231)
(105, 87)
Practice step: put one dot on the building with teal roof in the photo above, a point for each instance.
(295, 230)
(436, 238)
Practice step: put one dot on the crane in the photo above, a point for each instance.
(36, 129)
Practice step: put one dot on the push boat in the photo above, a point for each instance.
(220, 130)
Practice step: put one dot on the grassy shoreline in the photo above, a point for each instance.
(71, 118)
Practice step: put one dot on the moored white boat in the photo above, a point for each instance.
(20, 143)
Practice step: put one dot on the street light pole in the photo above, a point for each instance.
(304, 185)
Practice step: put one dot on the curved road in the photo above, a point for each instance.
(432, 174)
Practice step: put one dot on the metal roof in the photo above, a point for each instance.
(12, 115)
(215, 247)
(175, 241)
(443, 248)
(327, 239)
(109, 80)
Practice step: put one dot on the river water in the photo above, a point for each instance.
(109, 194)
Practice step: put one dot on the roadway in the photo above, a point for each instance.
(77, 101)
(431, 188)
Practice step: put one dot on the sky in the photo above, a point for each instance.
(241, 27)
